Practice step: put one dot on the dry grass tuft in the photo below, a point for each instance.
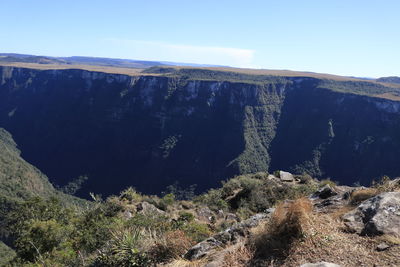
(172, 246)
(239, 257)
(287, 225)
(358, 196)
(186, 263)
(392, 240)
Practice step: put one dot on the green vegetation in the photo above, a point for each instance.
(252, 193)
(359, 87)
(47, 233)
(133, 229)
(6, 254)
(215, 75)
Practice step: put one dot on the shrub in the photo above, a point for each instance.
(92, 230)
(39, 238)
(124, 249)
(166, 201)
(186, 216)
(197, 231)
(305, 178)
(159, 223)
(213, 200)
(130, 195)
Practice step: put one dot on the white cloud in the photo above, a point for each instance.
(160, 51)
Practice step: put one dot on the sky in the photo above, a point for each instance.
(345, 37)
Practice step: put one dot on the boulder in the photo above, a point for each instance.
(205, 214)
(286, 176)
(376, 216)
(147, 208)
(201, 249)
(320, 264)
(325, 192)
(229, 236)
(382, 246)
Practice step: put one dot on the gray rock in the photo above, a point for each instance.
(325, 192)
(127, 215)
(320, 264)
(229, 236)
(205, 214)
(375, 216)
(286, 176)
(382, 246)
(147, 208)
(201, 249)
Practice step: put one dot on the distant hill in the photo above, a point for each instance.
(94, 61)
(392, 79)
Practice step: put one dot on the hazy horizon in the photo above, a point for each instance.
(349, 38)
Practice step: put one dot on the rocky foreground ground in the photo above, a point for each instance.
(335, 226)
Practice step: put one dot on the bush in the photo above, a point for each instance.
(197, 231)
(166, 201)
(159, 223)
(130, 195)
(124, 249)
(186, 216)
(92, 230)
(305, 178)
(39, 238)
(213, 200)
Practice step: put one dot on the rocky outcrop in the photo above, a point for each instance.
(230, 236)
(148, 209)
(376, 216)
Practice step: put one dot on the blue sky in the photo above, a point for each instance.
(353, 37)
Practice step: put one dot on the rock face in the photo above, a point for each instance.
(320, 264)
(195, 127)
(229, 236)
(376, 216)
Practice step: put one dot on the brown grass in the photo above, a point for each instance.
(325, 241)
(172, 246)
(287, 225)
(105, 69)
(186, 263)
(358, 196)
(136, 71)
(239, 257)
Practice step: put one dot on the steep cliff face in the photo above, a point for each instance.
(150, 131)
